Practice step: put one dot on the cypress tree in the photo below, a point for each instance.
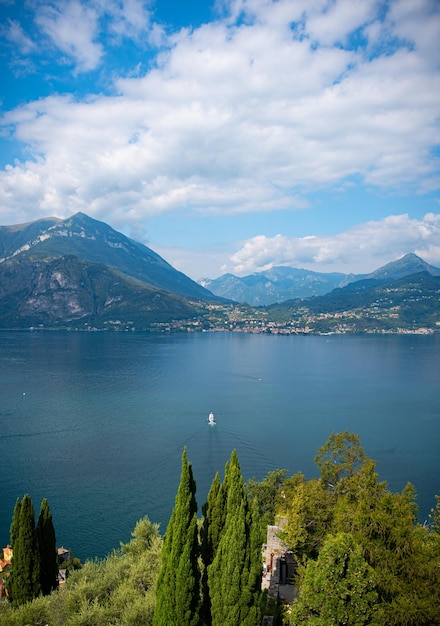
(214, 516)
(15, 524)
(234, 575)
(177, 598)
(25, 576)
(47, 549)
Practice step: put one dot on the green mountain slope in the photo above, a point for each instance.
(410, 303)
(95, 241)
(68, 292)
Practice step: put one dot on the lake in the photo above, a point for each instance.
(96, 422)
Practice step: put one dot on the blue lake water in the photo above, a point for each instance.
(96, 422)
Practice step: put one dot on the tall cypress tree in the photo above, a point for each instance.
(234, 575)
(25, 576)
(177, 597)
(15, 524)
(214, 516)
(48, 549)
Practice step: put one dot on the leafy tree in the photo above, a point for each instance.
(404, 555)
(234, 575)
(342, 455)
(434, 516)
(308, 509)
(177, 601)
(338, 588)
(267, 494)
(26, 566)
(47, 549)
(144, 535)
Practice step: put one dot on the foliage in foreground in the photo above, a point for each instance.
(117, 590)
(365, 558)
(34, 567)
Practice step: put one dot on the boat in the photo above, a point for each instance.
(211, 419)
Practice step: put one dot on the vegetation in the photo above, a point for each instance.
(363, 557)
(25, 577)
(119, 590)
(177, 601)
(234, 576)
(47, 547)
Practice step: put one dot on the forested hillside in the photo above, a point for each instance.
(362, 556)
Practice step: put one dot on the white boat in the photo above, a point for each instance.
(211, 418)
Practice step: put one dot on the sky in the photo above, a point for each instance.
(229, 136)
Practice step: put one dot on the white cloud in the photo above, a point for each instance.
(15, 34)
(361, 249)
(73, 28)
(235, 117)
(333, 22)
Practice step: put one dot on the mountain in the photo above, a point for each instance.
(68, 292)
(405, 266)
(95, 241)
(275, 285)
(411, 302)
(285, 283)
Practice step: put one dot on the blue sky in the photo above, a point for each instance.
(230, 136)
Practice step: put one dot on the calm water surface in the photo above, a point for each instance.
(97, 422)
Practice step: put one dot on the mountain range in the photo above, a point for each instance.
(280, 284)
(81, 274)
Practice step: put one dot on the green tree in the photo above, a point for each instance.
(404, 555)
(341, 456)
(434, 516)
(338, 588)
(267, 494)
(214, 517)
(47, 546)
(177, 601)
(26, 566)
(234, 575)
(15, 524)
(308, 509)
(119, 589)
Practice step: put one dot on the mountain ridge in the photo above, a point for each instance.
(96, 241)
(283, 283)
(80, 274)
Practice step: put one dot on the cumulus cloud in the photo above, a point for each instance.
(361, 249)
(248, 113)
(73, 28)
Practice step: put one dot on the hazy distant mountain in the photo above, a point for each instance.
(286, 283)
(275, 285)
(95, 241)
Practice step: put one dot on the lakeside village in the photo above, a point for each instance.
(246, 319)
